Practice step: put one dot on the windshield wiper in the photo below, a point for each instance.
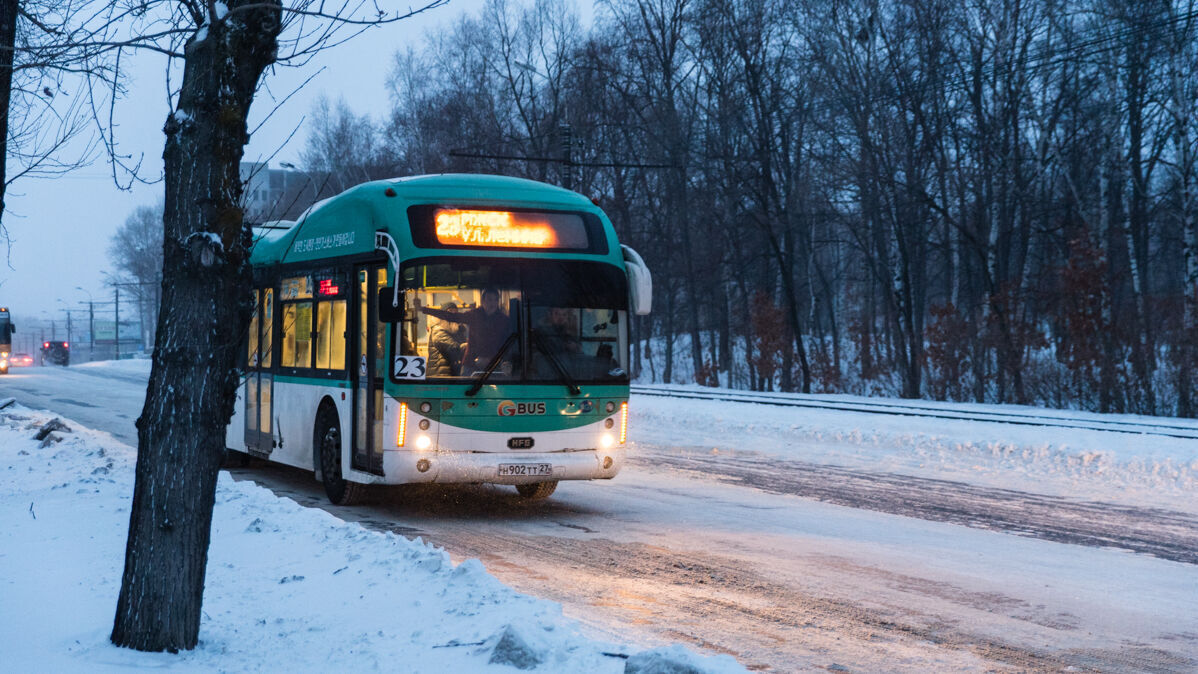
(478, 384)
(557, 364)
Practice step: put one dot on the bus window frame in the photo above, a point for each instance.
(342, 269)
(522, 323)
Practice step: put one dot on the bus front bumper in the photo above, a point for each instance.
(412, 466)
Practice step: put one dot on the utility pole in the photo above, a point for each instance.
(117, 289)
(567, 138)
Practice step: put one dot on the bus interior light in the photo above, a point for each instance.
(401, 434)
(623, 422)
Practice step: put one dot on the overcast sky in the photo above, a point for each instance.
(60, 227)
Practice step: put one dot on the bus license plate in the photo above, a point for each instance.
(518, 469)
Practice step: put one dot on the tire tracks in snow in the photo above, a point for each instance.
(1161, 533)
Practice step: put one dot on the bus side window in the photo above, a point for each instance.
(297, 334)
(252, 350)
(266, 348)
(330, 335)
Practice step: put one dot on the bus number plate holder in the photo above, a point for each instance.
(525, 469)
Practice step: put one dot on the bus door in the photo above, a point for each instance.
(370, 367)
(259, 381)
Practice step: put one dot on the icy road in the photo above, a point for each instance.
(799, 540)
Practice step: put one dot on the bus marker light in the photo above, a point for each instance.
(401, 435)
(424, 424)
(423, 465)
(423, 442)
(611, 406)
(609, 422)
(623, 422)
(426, 407)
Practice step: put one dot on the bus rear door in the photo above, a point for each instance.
(259, 380)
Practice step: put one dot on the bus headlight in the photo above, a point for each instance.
(607, 440)
(423, 442)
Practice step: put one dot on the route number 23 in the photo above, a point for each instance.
(408, 367)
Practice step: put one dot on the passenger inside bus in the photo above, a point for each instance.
(446, 340)
(487, 327)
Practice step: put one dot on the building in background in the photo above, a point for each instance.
(277, 194)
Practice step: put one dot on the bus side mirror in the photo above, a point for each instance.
(640, 282)
(387, 311)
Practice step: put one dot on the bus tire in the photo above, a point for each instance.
(328, 434)
(537, 491)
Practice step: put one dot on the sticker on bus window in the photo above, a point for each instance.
(408, 367)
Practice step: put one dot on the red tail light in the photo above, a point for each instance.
(46, 345)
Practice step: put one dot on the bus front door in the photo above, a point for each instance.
(259, 380)
(370, 355)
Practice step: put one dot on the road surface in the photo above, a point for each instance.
(786, 565)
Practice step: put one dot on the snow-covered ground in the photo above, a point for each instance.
(288, 588)
(794, 583)
(1131, 469)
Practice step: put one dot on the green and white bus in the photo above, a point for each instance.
(447, 329)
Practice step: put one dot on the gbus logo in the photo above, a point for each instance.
(508, 408)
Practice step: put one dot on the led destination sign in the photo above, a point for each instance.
(509, 229)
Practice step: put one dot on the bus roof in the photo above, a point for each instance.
(345, 224)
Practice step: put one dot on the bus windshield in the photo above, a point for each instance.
(535, 321)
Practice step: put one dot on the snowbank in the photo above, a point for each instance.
(288, 588)
(1142, 470)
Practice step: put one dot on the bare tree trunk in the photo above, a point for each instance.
(8, 40)
(205, 308)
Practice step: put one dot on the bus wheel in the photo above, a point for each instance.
(537, 490)
(328, 433)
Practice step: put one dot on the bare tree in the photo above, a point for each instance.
(341, 146)
(43, 114)
(136, 251)
(225, 48)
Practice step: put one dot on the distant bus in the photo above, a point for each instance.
(447, 329)
(6, 330)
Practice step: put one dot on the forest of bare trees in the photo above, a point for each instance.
(982, 200)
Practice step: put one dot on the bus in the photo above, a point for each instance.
(441, 329)
(6, 330)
